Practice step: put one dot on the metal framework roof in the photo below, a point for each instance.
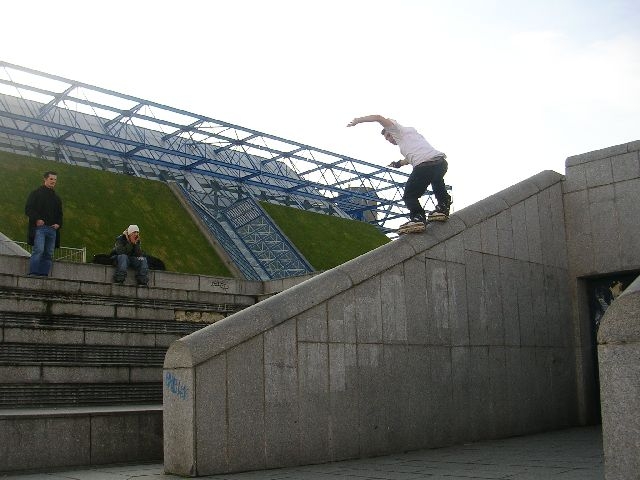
(65, 113)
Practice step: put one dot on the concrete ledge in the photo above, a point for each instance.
(482, 210)
(63, 298)
(97, 279)
(79, 437)
(100, 277)
(382, 258)
(600, 154)
(519, 192)
(9, 247)
(222, 335)
(227, 292)
(436, 233)
(305, 295)
(11, 264)
(546, 178)
(275, 286)
(13, 413)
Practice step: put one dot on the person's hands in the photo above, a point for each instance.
(353, 122)
(395, 164)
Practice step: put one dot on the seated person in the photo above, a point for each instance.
(126, 253)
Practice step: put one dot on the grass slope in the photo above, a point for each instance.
(99, 205)
(324, 240)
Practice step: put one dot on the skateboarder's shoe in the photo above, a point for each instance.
(437, 216)
(411, 227)
(440, 214)
(415, 225)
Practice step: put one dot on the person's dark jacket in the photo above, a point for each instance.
(123, 245)
(43, 204)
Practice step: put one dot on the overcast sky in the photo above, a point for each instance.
(506, 88)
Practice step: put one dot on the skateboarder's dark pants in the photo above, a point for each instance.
(425, 174)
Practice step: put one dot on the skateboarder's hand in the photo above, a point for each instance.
(395, 164)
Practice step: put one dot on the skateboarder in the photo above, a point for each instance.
(429, 168)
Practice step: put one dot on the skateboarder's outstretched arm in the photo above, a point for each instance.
(385, 122)
(387, 131)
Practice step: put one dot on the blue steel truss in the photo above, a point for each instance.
(241, 258)
(219, 162)
(255, 244)
(263, 237)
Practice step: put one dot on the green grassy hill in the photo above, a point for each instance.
(99, 205)
(324, 240)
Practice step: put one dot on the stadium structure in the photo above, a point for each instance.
(223, 170)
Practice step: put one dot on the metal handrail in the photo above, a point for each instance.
(68, 254)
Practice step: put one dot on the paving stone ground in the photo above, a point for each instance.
(572, 454)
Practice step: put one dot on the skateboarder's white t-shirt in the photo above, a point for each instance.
(413, 146)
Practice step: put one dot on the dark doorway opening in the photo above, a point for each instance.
(601, 292)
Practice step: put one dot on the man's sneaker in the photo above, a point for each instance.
(411, 227)
(415, 225)
(440, 214)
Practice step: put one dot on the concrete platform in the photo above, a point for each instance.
(572, 454)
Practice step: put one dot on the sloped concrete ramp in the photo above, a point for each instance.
(459, 334)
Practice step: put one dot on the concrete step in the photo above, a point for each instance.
(88, 304)
(77, 383)
(44, 373)
(53, 437)
(68, 276)
(85, 336)
(77, 322)
(80, 355)
(32, 395)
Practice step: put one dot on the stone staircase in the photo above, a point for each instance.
(81, 359)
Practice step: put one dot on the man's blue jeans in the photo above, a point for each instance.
(44, 244)
(123, 261)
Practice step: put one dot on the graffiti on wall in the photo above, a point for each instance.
(176, 386)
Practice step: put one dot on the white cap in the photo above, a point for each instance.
(130, 229)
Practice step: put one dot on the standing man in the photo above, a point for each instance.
(126, 252)
(44, 209)
(429, 168)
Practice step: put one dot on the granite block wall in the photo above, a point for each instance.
(41, 439)
(602, 212)
(463, 333)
